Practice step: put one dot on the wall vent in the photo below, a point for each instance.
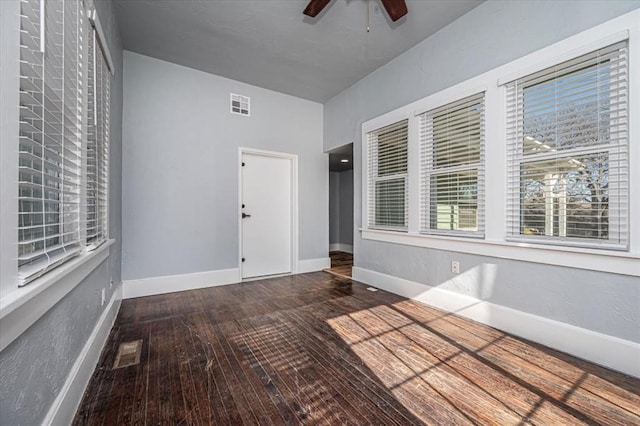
(240, 104)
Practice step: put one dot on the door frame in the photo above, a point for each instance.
(294, 204)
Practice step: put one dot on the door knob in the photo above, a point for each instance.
(244, 215)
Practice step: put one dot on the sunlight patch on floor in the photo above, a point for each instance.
(431, 353)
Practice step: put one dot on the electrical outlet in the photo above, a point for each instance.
(455, 267)
(104, 297)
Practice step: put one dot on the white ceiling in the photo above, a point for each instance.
(271, 44)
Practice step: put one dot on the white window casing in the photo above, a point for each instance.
(388, 177)
(64, 122)
(567, 152)
(452, 168)
(97, 158)
(50, 147)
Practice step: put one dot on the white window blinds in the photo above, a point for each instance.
(97, 144)
(387, 171)
(50, 129)
(567, 129)
(452, 168)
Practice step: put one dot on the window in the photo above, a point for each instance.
(97, 145)
(62, 170)
(387, 168)
(452, 168)
(567, 152)
(50, 135)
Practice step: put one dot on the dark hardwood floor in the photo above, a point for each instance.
(313, 349)
(341, 264)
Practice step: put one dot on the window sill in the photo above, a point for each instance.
(22, 307)
(591, 259)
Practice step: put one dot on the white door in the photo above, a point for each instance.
(266, 215)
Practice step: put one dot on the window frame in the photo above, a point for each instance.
(372, 163)
(495, 243)
(517, 159)
(50, 169)
(429, 170)
(101, 132)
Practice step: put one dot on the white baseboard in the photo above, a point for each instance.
(347, 248)
(313, 265)
(65, 405)
(608, 351)
(173, 283)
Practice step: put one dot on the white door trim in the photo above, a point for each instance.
(294, 203)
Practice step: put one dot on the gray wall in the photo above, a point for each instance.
(341, 207)
(491, 35)
(334, 207)
(346, 207)
(35, 366)
(180, 166)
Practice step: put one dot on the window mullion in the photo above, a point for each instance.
(413, 177)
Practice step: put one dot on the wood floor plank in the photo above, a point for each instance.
(250, 413)
(165, 363)
(364, 370)
(349, 370)
(478, 405)
(341, 264)
(307, 400)
(224, 399)
(151, 409)
(450, 358)
(555, 389)
(393, 372)
(195, 408)
(316, 375)
(200, 364)
(269, 405)
(315, 349)
(274, 394)
(333, 377)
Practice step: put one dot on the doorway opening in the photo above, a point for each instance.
(341, 210)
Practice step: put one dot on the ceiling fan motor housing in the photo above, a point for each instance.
(396, 9)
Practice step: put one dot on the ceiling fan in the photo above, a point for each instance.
(395, 8)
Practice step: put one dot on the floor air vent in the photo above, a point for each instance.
(128, 354)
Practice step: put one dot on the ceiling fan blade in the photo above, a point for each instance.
(314, 7)
(395, 8)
